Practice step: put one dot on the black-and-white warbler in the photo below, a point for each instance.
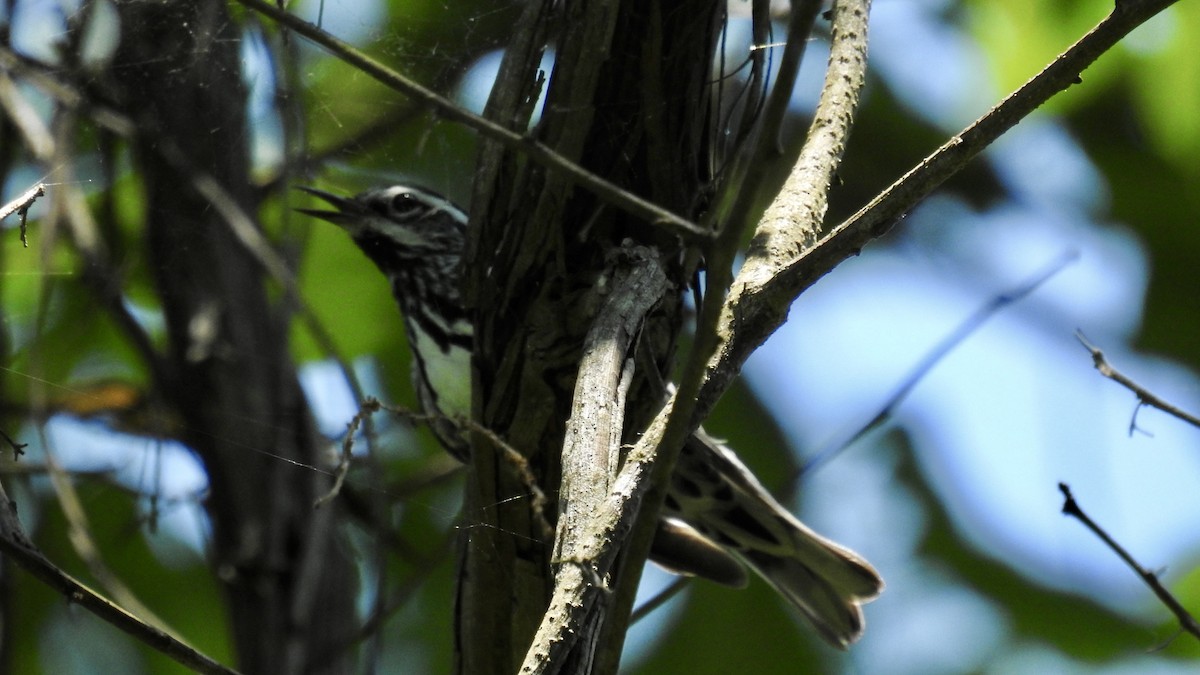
(417, 239)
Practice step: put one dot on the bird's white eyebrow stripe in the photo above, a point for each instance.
(434, 201)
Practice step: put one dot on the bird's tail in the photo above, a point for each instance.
(713, 492)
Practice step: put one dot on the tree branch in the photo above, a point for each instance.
(778, 267)
(16, 545)
(787, 224)
(21, 205)
(100, 276)
(650, 461)
(1144, 395)
(1186, 621)
(531, 148)
(18, 449)
(751, 171)
(591, 455)
(102, 279)
(931, 358)
(613, 521)
(79, 534)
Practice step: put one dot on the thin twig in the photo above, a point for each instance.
(659, 599)
(445, 108)
(512, 457)
(789, 223)
(375, 622)
(750, 172)
(520, 466)
(17, 448)
(721, 254)
(16, 546)
(934, 356)
(1186, 621)
(48, 78)
(369, 407)
(21, 205)
(103, 280)
(79, 534)
(1144, 395)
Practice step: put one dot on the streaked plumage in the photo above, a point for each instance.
(715, 507)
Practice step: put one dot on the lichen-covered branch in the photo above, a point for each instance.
(590, 460)
(778, 268)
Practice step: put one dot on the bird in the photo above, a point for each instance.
(716, 516)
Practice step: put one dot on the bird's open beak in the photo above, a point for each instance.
(347, 209)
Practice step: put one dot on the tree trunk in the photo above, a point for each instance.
(629, 100)
(228, 371)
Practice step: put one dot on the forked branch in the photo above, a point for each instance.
(779, 267)
(1144, 395)
(781, 263)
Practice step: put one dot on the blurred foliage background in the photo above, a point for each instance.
(105, 500)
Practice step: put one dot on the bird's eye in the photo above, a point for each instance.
(404, 205)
